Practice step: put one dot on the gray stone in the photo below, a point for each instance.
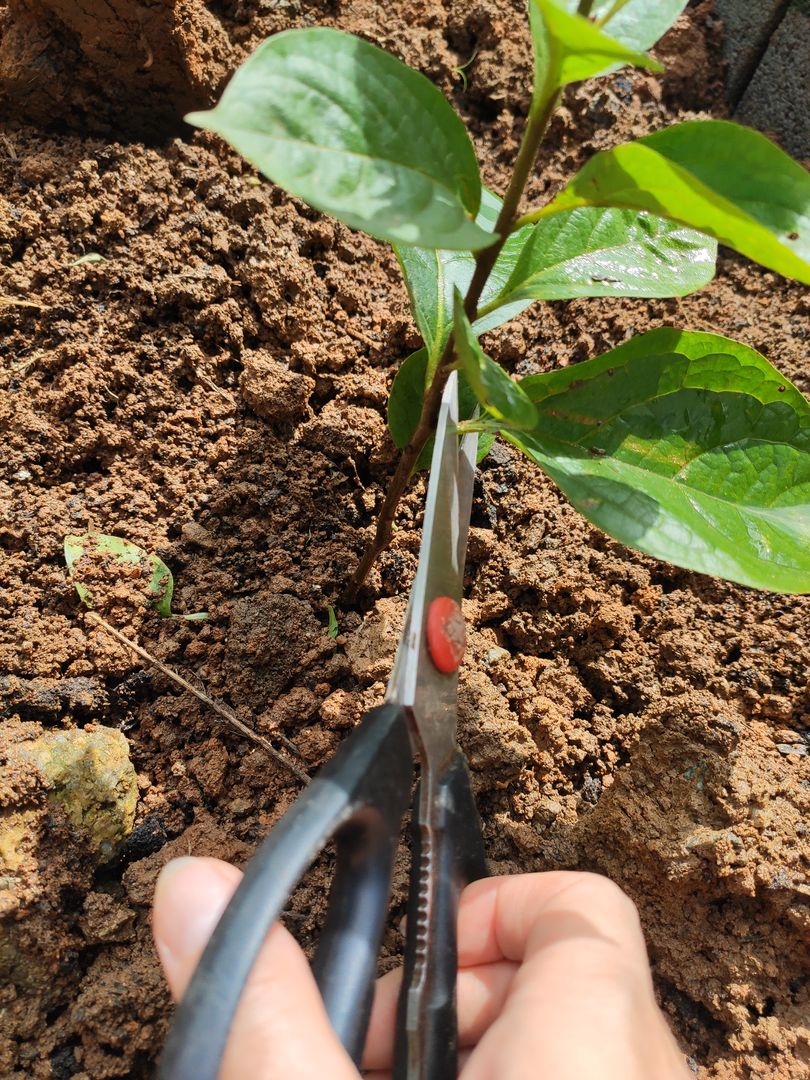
(748, 28)
(777, 99)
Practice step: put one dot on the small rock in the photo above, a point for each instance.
(197, 534)
(104, 919)
(146, 838)
(274, 392)
(495, 655)
(345, 431)
(270, 634)
(89, 774)
(50, 697)
(799, 750)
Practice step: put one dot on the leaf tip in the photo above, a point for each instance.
(200, 119)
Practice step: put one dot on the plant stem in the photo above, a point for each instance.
(484, 261)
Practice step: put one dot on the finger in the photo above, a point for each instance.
(481, 993)
(498, 916)
(582, 1002)
(190, 897)
(385, 1074)
(280, 1027)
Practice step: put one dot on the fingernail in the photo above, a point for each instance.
(169, 872)
(189, 910)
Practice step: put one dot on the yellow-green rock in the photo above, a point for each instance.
(90, 775)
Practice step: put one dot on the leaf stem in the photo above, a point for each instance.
(531, 218)
(538, 122)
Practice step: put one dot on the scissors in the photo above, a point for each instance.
(358, 800)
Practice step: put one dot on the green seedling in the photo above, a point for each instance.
(127, 555)
(332, 629)
(461, 70)
(687, 446)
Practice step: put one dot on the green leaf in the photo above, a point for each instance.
(432, 276)
(687, 446)
(638, 24)
(723, 179)
(590, 251)
(93, 545)
(594, 251)
(405, 406)
(499, 395)
(406, 396)
(569, 48)
(357, 134)
(332, 629)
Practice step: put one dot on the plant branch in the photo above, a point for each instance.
(484, 261)
(221, 710)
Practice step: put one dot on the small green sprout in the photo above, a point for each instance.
(333, 629)
(461, 70)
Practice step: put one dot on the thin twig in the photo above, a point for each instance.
(15, 301)
(217, 389)
(221, 710)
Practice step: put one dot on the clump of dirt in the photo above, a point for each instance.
(123, 67)
(214, 390)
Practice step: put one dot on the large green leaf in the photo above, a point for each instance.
(712, 175)
(687, 446)
(354, 132)
(406, 397)
(597, 251)
(433, 275)
(569, 48)
(638, 24)
(588, 251)
(500, 396)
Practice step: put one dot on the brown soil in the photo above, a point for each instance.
(116, 67)
(215, 392)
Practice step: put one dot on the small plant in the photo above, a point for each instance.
(687, 446)
(96, 556)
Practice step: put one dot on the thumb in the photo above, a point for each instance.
(280, 1028)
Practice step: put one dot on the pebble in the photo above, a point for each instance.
(495, 655)
(786, 748)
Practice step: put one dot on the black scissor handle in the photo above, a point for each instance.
(442, 864)
(359, 798)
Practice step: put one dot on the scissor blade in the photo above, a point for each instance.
(415, 682)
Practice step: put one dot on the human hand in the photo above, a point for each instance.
(553, 982)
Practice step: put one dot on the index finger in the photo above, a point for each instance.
(501, 918)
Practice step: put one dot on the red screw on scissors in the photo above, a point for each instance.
(446, 635)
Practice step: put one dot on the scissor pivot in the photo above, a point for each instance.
(446, 635)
